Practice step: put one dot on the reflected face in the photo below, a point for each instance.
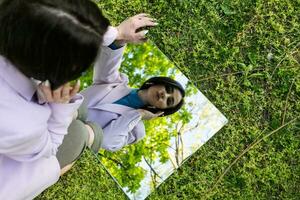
(162, 97)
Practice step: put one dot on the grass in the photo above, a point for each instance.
(244, 55)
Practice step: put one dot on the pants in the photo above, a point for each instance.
(76, 140)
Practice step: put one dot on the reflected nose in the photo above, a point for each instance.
(162, 94)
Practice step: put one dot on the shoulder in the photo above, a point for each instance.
(17, 114)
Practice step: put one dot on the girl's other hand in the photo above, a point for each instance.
(128, 29)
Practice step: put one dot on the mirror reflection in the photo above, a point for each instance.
(142, 166)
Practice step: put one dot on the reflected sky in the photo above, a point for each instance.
(187, 136)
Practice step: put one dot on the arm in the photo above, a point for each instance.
(60, 119)
(29, 132)
(106, 69)
(126, 129)
(63, 102)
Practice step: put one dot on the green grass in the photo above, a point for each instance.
(244, 56)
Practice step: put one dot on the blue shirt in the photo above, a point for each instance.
(131, 100)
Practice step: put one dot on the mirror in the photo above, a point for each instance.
(139, 168)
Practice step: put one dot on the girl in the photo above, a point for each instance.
(48, 41)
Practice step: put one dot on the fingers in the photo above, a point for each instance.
(141, 23)
(67, 92)
(46, 90)
(146, 21)
(141, 15)
(139, 37)
(63, 94)
(75, 90)
(142, 35)
(129, 30)
(160, 114)
(144, 16)
(56, 94)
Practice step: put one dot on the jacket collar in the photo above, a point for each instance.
(118, 92)
(23, 85)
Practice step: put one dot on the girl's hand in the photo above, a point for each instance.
(63, 94)
(147, 115)
(127, 30)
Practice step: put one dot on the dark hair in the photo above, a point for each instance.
(53, 40)
(161, 80)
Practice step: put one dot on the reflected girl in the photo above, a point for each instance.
(115, 107)
(119, 109)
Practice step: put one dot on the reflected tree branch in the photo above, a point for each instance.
(192, 128)
(182, 147)
(178, 141)
(169, 146)
(152, 169)
(176, 152)
(153, 178)
(182, 129)
(174, 164)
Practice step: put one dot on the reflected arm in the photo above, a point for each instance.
(106, 69)
(126, 129)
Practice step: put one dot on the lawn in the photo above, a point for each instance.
(244, 55)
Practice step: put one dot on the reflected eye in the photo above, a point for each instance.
(169, 89)
(170, 101)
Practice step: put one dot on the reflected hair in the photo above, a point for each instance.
(53, 40)
(166, 81)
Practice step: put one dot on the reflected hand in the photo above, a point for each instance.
(147, 115)
(63, 94)
(127, 30)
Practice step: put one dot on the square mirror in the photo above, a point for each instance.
(139, 168)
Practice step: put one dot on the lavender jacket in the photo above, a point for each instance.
(30, 133)
(121, 125)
